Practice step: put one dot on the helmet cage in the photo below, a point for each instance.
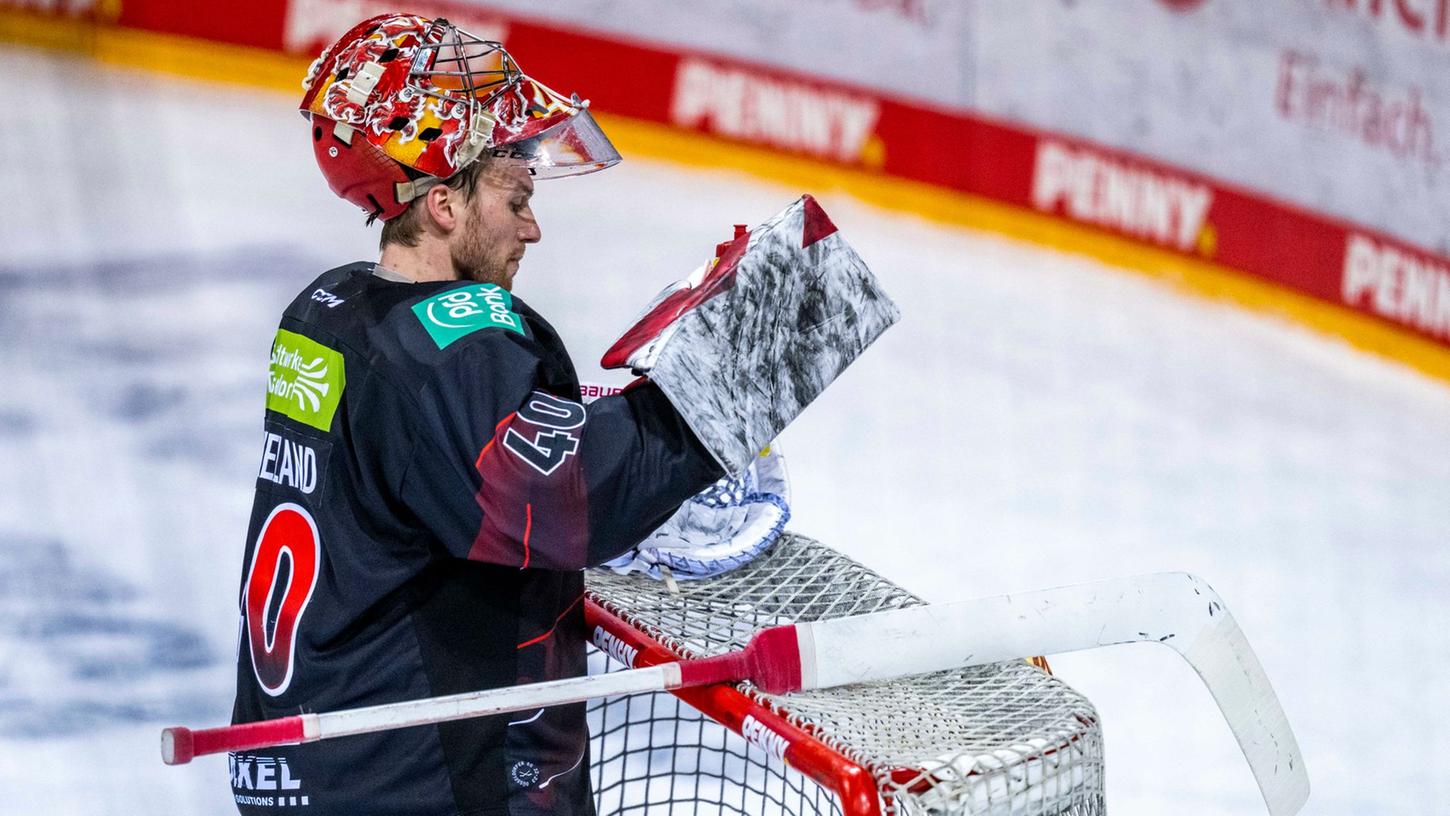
(464, 51)
(451, 65)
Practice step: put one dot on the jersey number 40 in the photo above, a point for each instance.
(555, 440)
(279, 584)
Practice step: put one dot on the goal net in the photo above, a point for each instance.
(1007, 739)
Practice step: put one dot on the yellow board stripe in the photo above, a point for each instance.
(207, 60)
(202, 59)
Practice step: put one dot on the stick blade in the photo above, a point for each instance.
(1176, 610)
(1231, 671)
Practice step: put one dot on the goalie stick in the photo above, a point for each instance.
(1174, 609)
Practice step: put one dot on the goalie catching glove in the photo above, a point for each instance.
(744, 347)
(721, 528)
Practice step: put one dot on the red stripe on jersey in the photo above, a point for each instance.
(497, 431)
(528, 528)
(557, 621)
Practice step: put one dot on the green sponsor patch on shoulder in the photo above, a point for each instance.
(463, 311)
(305, 379)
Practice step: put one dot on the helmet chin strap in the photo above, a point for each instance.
(361, 84)
(409, 190)
(480, 133)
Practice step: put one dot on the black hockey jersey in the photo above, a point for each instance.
(430, 488)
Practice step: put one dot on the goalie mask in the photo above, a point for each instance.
(401, 102)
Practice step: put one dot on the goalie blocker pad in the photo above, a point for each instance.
(744, 350)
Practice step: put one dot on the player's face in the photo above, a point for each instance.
(498, 226)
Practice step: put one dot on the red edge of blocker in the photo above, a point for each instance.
(719, 279)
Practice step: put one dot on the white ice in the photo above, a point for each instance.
(1036, 419)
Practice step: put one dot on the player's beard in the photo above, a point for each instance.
(475, 257)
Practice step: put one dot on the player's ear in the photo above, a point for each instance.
(444, 207)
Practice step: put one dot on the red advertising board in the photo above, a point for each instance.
(1120, 193)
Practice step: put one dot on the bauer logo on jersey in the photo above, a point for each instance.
(305, 380)
(463, 311)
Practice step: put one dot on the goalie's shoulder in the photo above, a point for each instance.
(459, 336)
(445, 324)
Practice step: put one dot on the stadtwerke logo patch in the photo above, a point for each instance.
(305, 379)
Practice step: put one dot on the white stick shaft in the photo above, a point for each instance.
(1175, 609)
(493, 701)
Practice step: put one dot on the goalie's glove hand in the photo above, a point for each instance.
(722, 527)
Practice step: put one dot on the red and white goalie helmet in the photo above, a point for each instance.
(400, 102)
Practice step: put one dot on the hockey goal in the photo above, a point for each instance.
(1005, 739)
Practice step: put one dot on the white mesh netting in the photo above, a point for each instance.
(1001, 739)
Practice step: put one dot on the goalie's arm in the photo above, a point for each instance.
(509, 470)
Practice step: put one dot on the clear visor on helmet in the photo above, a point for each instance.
(573, 147)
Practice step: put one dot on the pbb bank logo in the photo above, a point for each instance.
(464, 310)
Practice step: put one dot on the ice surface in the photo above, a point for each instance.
(1035, 419)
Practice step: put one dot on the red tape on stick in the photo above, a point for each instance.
(176, 745)
(775, 660)
(772, 661)
(179, 745)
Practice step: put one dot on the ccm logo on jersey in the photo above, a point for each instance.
(614, 647)
(327, 298)
(288, 463)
